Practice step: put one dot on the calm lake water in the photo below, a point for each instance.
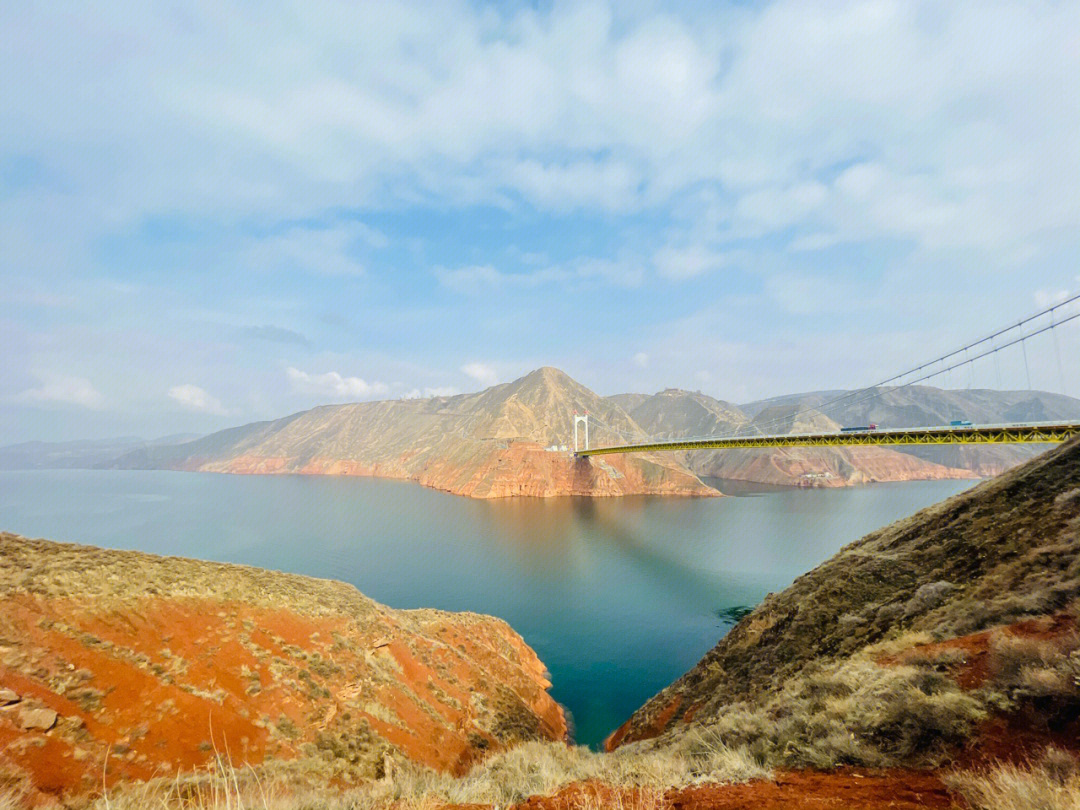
(618, 596)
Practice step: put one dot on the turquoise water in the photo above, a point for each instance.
(618, 596)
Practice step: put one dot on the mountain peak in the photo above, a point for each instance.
(546, 378)
(548, 374)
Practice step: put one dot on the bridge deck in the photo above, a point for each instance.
(1026, 433)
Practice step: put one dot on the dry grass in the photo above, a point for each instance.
(1033, 667)
(108, 576)
(1051, 784)
(639, 774)
(541, 769)
(853, 712)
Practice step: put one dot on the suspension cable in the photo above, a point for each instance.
(875, 391)
(848, 395)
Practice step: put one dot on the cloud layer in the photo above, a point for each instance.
(192, 398)
(220, 192)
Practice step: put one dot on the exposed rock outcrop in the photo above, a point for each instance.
(129, 665)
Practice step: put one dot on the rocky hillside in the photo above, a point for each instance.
(676, 414)
(801, 681)
(500, 442)
(507, 440)
(679, 414)
(125, 665)
(925, 405)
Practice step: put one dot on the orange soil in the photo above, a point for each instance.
(653, 729)
(520, 468)
(973, 671)
(793, 790)
(157, 686)
(1022, 733)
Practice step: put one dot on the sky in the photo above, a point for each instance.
(213, 213)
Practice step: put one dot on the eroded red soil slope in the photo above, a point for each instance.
(161, 664)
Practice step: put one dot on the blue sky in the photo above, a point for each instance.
(212, 213)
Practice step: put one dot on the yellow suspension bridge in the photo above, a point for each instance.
(1016, 433)
(960, 431)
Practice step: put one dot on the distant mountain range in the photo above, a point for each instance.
(513, 439)
(678, 414)
(85, 454)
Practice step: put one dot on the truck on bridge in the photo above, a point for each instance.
(860, 428)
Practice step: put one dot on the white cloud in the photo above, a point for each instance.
(641, 360)
(580, 105)
(812, 241)
(474, 279)
(606, 184)
(193, 398)
(1045, 298)
(620, 273)
(774, 208)
(680, 263)
(429, 392)
(483, 373)
(61, 389)
(334, 385)
(470, 279)
(812, 295)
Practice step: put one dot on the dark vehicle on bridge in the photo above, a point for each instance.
(860, 428)
(960, 423)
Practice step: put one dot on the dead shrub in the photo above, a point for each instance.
(853, 713)
(1050, 784)
(1036, 668)
(928, 597)
(935, 657)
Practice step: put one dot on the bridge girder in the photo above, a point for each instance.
(990, 434)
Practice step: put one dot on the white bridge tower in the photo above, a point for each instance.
(581, 419)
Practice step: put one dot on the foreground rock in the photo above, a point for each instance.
(800, 681)
(128, 665)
